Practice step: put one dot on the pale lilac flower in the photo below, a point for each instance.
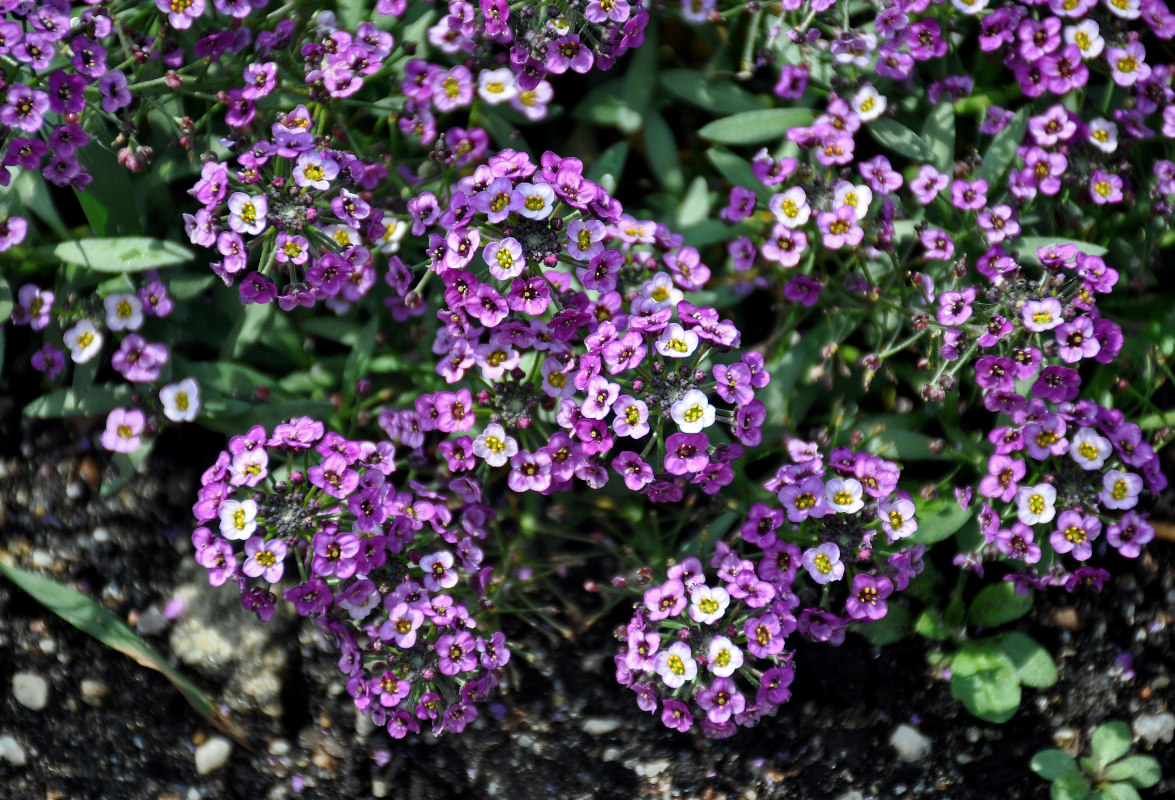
(723, 657)
(84, 341)
(123, 429)
(823, 563)
(1120, 489)
(675, 665)
(181, 401)
(238, 519)
(264, 559)
(247, 214)
(1036, 503)
(181, 13)
(791, 207)
(844, 495)
(1042, 315)
(708, 604)
(693, 412)
(494, 446)
(1089, 449)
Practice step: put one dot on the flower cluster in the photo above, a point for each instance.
(706, 644)
(396, 575)
(710, 653)
(573, 314)
(1064, 472)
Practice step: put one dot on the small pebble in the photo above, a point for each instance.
(101, 535)
(152, 621)
(1154, 728)
(851, 795)
(380, 787)
(30, 690)
(93, 691)
(213, 754)
(598, 726)
(1066, 618)
(910, 744)
(12, 752)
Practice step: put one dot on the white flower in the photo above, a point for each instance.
(494, 446)
(1088, 38)
(344, 235)
(970, 7)
(675, 664)
(1089, 449)
(538, 200)
(238, 519)
(181, 401)
(661, 291)
(1035, 503)
(725, 658)
(1121, 489)
(84, 341)
(791, 207)
(249, 467)
(1124, 9)
(496, 85)
(707, 604)
(844, 495)
(856, 197)
(693, 412)
(394, 230)
(676, 342)
(1103, 135)
(124, 312)
(869, 103)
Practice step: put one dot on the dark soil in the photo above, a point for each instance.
(564, 730)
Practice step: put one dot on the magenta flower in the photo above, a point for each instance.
(25, 108)
(938, 243)
(1076, 340)
(458, 653)
(1017, 542)
(969, 195)
(264, 559)
(840, 228)
(721, 701)
(180, 13)
(1130, 533)
(530, 472)
(785, 245)
(1075, 534)
(1105, 188)
(954, 308)
(867, 598)
(928, 184)
(123, 429)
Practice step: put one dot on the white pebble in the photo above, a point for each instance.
(213, 754)
(30, 690)
(598, 726)
(1154, 728)
(12, 752)
(910, 744)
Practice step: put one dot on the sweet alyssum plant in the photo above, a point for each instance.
(902, 259)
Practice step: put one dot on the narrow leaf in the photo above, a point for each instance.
(83, 613)
(939, 136)
(661, 152)
(123, 253)
(716, 95)
(895, 136)
(756, 127)
(1002, 150)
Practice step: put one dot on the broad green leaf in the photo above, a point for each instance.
(695, 206)
(938, 519)
(188, 287)
(756, 127)
(610, 162)
(661, 152)
(1026, 246)
(29, 191)
(351, 13)
(640, 79)
(939, 136)
(1116, 791)
(738, 172)
(930, 625)
(1034, 666)
(97, 400)
(343, 330)
(227, 378)
(893, 627)
(109, 202)
(980, 656)
(1070, 787)
(251, 322)
(1053, 764)
(897, 137)
(86, 615)
(998, 604)
(713, 231)
(123, 253)
(717, 95)
(1110, 742)
(1002, 150)
(992, 695)
(1141, 772)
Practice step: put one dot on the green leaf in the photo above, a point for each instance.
(756, 127)
(357, 361)
(1002, 150)
(661, 152)
(1110, 742)
(1034, 666)
(1053, 764)
(125, 466)
(939, 136)
(6, 301)
(227, 378)
(83, 613)
(998, 604)
(1070, 787)
(893, 627)
(931, 625)
(109, 202)
(250, 324)
(30, 192)
(123, 253)
(1025, 247)
(895, 136)
(716, 95)
(1116, 791)
(938, 519)
(1141, 772)
(695, 206)
(984, 680)
(610, 162)
(97, 400)
(738, 172)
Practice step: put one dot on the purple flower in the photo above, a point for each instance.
(1003, 477)
(115, 95)
(969, 195)
(25, 108)
(180, 13)
(928, 184)
(685, 453)
(721, 701)
(1076, 340)
(954, 308)
(264, 559)
(123, 429)
(1057, 384)
(1105, 188)
(823, 563)
(676, 715)
(1130, 533)
(458, 653)
(1075, 534)
(867, 598)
